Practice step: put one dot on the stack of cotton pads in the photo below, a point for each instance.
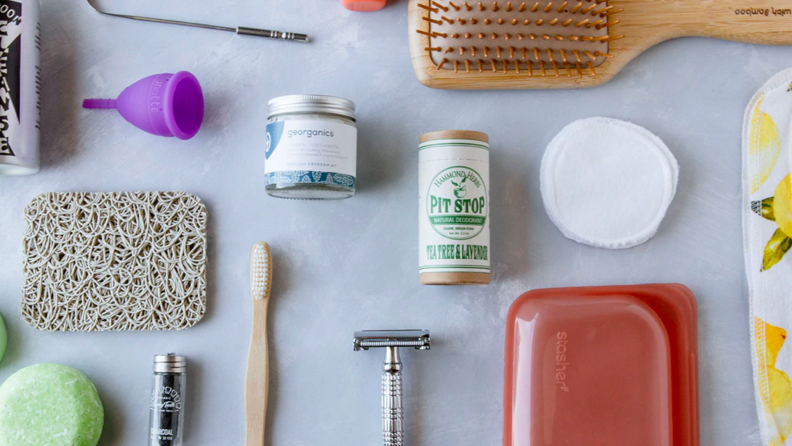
(608, 183)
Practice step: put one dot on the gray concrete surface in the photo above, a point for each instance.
(351, 265)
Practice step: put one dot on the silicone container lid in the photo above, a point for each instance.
(602, 367)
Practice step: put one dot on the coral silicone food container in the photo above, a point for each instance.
(607, 366)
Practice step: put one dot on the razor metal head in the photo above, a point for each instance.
(419, 339)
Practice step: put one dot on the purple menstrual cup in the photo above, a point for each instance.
(162, 104)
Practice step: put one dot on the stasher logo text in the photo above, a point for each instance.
(562, 361)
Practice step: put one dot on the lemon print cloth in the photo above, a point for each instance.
(767, 236)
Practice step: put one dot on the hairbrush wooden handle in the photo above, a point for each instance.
(760, 21)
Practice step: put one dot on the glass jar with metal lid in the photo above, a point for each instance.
(311, 148)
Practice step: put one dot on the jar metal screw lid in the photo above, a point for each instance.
(170, 363)
(311, 103)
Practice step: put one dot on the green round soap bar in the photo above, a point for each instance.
(3, 337)
(50, 405)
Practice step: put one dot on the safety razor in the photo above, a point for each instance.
(391, 341)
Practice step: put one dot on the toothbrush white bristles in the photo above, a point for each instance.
(260, 271)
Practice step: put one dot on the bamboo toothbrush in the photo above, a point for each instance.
(257, 381)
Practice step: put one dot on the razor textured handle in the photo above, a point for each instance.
(392, 411)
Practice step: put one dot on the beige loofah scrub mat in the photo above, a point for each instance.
(114, 261)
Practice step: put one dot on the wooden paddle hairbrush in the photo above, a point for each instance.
(491, 44)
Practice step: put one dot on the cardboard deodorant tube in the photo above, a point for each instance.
(454, 208)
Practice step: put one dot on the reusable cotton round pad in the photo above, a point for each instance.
(49, 405)
(608, 183)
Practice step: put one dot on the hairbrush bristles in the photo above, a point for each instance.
(535, 38)
(260, 271)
